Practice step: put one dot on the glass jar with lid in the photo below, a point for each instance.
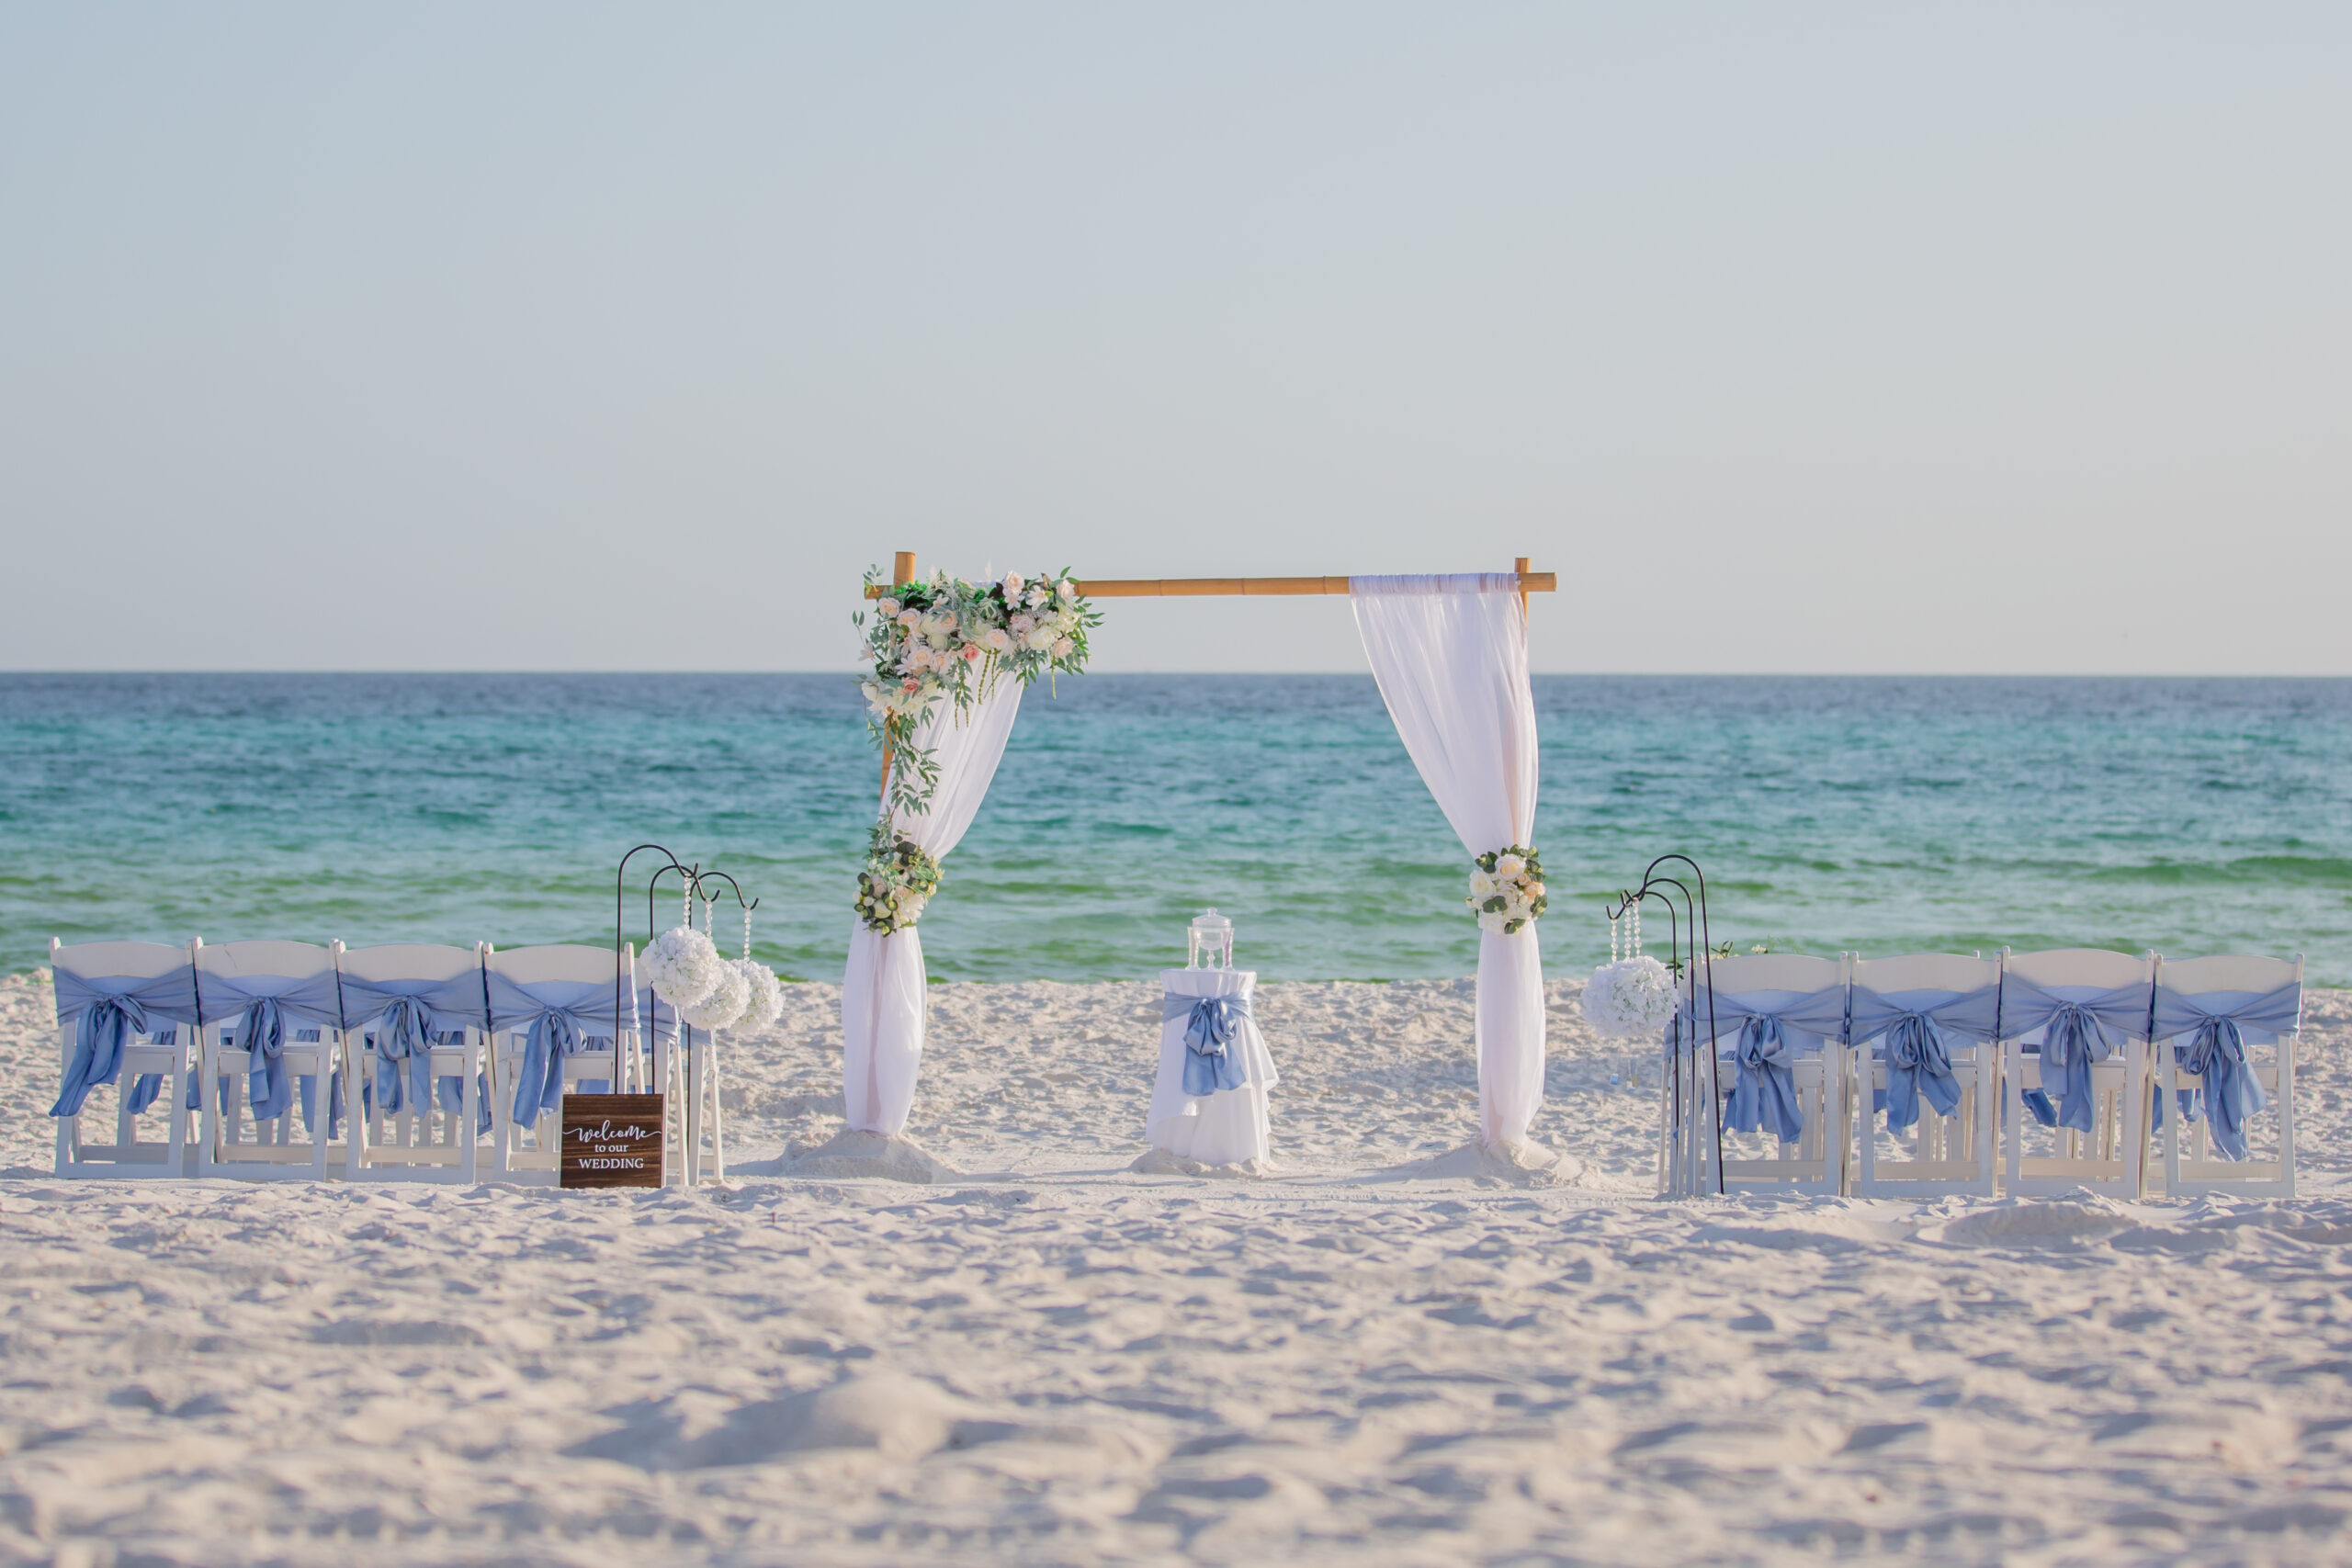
(1212, 942)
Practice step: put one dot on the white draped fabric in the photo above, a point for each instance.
(883, 993)
(1233, 1126)
(1450, 656)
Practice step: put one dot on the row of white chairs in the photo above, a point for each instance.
(2060, 1070)
(406, 1062)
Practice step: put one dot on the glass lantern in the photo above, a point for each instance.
(1212, 942)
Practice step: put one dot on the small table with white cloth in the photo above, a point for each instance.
(1209, 1105)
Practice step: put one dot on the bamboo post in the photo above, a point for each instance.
(902, 569)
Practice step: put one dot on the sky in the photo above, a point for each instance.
(1815, 337)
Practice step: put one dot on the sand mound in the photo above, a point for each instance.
(848, 1154)
(1509, 1165)
(1160, 1162)
(898, 1418)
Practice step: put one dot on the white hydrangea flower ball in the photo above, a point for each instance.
(1633, 998)
(725, 1004)
(767, 1003)
(681, 966)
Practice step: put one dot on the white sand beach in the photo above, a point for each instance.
(1051, 1360)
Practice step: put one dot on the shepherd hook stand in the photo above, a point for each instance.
(1693, 1162)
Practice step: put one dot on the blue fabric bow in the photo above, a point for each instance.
(404, 1051)
(2216, 1054)
(2073, 1040)
(554, 1034)
(1211, 1025)
(1918, 1028)
(99, 1037)
(261, 1031)
(2217, 1027)
(1917, 1062)
(2074, 1034)
(1767, 1085)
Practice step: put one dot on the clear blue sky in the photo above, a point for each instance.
(1971, 337)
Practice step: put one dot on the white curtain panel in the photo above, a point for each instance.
(883, 995)
(1450, 656)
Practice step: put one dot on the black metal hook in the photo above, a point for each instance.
(1691, 916)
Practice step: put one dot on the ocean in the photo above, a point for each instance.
(1881, 814)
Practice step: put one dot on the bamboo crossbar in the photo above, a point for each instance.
(1239, 586)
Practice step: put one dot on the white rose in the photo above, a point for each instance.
(1483, 884)
(1509, 865)
(1491, 923)
(1020, 624)
(889, 608)
(1063, 647)
(1013, 582)
(1534, 891)
(1066, 589)
(1039, 639)
(999, 640)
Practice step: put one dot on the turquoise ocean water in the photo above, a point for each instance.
(1882, 815)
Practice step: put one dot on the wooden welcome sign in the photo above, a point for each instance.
(612, 1140)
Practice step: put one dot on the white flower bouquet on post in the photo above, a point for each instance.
(1506, 890)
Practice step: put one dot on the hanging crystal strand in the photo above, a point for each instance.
(1613, 939)
(747, 933)
(1636, 952)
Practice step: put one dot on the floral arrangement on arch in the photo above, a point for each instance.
(953, 641)
(899, 880)
(1506, 890)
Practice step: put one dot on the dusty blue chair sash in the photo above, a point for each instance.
(2076, 1034)
(1211, 1025)
(2216, 1026)
(1767, 1036)
(560, 1019)
(264, 1007)
(105, 1011)
(1916, 1027)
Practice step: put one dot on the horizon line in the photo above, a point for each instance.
(1262, 674)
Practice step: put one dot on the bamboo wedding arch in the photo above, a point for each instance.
(902, 569)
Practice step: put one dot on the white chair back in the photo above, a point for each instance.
(118, 960)
(1927, 972)
(2111, 1156)
(118, 967)
(425, 1140)
(300, 976)
(2195, 1161)
(410, 961)
(2065, 969)
(1946, 1154)
(1815, 1162)
(564, 976)
(1748, 974)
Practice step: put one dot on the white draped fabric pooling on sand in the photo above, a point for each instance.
(883, 991)
(1450, 656)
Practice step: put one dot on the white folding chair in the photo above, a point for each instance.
(583, 993)
(103, 987)
(416, 1019)
(2235, 1001)
(1793, 1007)
(1902, 1007)
(2104, 997)
(259, 989)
